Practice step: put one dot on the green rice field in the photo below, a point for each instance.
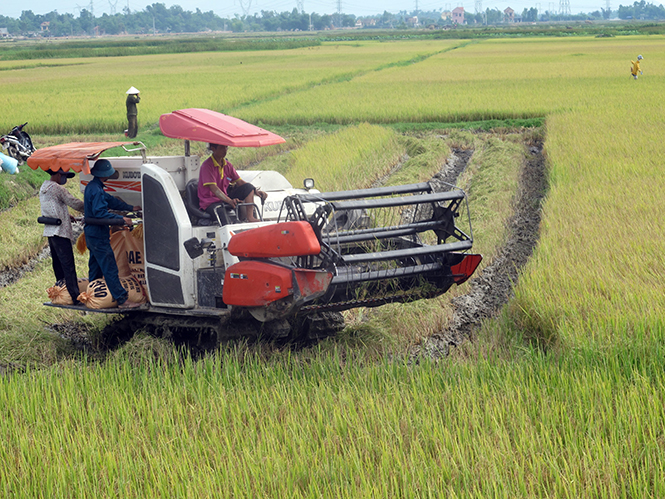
(561, 394)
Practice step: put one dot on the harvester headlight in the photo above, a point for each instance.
(308, 183)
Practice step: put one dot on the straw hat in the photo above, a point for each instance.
(132, 90)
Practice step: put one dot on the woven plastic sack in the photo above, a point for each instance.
(98, 295)
(59, 295)
(128, 250)
(119, 246)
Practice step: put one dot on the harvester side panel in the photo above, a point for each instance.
(169, 271)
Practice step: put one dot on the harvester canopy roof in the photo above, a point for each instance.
(71, 156)
(203, 125)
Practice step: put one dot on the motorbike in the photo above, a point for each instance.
(17, 144)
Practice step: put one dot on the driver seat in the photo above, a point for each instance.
(196, 214)
(225, 214)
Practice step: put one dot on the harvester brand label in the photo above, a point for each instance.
(284, 232)
(238, 276)
(278, 289)
(272, 205)
(131, 174)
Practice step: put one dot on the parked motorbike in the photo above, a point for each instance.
(17, 144)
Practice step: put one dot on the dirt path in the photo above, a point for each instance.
(492, 289)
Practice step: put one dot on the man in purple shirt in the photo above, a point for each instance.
(219, 184)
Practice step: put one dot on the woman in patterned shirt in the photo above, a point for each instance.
(55, 199)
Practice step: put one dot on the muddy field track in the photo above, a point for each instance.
(492, 289)
(487, 294)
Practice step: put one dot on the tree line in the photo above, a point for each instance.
(157, 18)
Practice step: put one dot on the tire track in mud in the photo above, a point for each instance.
(492, 289)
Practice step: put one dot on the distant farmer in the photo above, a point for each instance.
(635, 68)
(97, 236)
(54, 199)
(132, 114)
(219, 184)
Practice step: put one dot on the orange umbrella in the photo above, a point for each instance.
(71, 156)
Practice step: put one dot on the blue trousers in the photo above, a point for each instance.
(102, 264)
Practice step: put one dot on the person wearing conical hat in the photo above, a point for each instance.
(635, 68)
(132, 114)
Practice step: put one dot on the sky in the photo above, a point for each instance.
(228, 8)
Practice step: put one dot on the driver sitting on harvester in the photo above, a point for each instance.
(215, 189)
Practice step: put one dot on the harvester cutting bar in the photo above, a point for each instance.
(377, 275)
(356, 236)
(356, 258)
(365, 193)
(386, 244)
(364, 204)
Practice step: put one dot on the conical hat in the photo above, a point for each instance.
(132, 90)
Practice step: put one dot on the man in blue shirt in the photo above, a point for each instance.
(97, 203)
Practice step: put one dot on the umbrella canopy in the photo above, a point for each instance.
(203, 125)
(71, 156)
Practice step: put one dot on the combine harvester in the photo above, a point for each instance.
(311, 255)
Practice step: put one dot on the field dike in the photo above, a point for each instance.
(488, 291)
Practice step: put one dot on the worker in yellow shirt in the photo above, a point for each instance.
(635, 68)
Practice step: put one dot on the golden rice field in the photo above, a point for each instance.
(560, 396)
(597, 270)
(89, 94)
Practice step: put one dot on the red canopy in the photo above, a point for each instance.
(74, 155)
(203, 125)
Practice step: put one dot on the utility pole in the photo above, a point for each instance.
(300, 6)
(339, 13)
(479, 6)
(608, 8)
